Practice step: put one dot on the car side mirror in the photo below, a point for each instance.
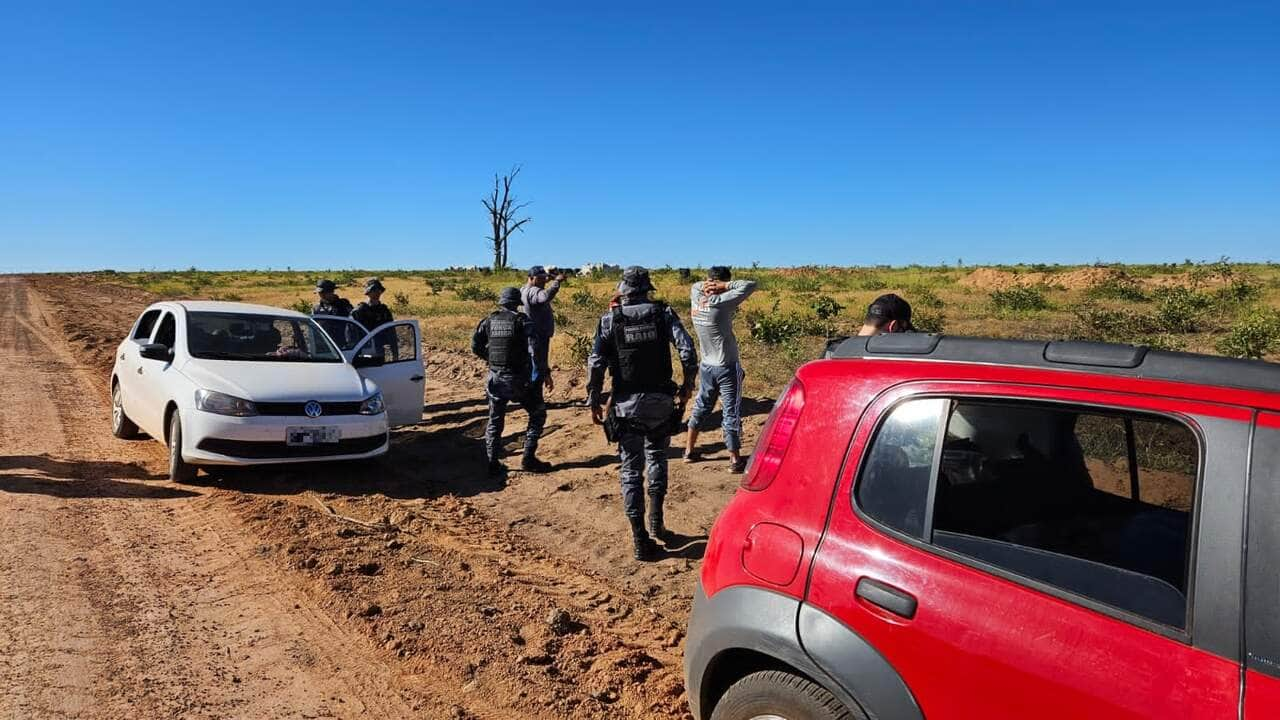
(156, 351)
(364, 361)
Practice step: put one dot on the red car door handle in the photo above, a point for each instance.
(887, 597)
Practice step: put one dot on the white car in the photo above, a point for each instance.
(224, 383)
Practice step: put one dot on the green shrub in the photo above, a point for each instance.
(805, 284)
(474, 292)
(1180, 309)
(1122, 326)
(400, 301)
(776, 328)
(825, 307)
(302, 306)
(872, 283)
(1020, 299)
(1108, 325)
(1240, 290)
(1163, 341)
(579, 348)
(583, 298)
(1117, 288)
(923, 297)
(929, 321)
(1253, 336)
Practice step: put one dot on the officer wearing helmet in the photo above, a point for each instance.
(372, 312)
(330, 303)
(632, 343)
(508, 340)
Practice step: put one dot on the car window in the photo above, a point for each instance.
(1094, 502)
(145, 325)
(895, 480)
(395, 344)
(168, 332)
(254, 337)
(344, 332)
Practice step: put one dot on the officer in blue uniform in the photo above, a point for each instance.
(633, 343)
(508, 340)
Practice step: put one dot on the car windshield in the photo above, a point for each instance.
(264, 338)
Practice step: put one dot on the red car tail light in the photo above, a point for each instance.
(776, 437)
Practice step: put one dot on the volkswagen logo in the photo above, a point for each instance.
(312, 409)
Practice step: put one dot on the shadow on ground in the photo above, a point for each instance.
(43, 475)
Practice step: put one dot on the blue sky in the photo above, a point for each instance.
(331, 135)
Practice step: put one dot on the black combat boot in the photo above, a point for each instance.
(531, 463)
(656, 527)
(645, 548)
(496, 467)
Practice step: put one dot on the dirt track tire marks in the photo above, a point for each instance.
(122, 596)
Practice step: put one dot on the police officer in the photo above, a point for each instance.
(508, 340)
(372, 313)
(632, 342)
(330, 303)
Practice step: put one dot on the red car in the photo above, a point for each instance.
(945, 527)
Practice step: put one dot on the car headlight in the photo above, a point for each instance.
(223, 404)
(373, 405)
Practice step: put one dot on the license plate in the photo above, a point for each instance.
(320, 435)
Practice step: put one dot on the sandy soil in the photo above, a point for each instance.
(409, 587)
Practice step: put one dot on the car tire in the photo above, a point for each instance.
(179, 470)
(121, 426)
(778, 695)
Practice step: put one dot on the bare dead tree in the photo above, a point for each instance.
(503, 208)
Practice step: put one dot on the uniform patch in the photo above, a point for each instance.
(502, 329)
(639, 333)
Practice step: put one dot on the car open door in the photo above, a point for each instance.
(401, 374)
(345, 332)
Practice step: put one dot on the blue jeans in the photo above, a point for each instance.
(725, 383)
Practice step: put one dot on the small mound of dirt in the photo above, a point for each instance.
(1078, 279)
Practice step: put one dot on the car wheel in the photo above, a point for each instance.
(121, 426)
(179, 470)
(777, 695)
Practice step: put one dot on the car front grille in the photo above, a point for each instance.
(296, 408)
(255, 450)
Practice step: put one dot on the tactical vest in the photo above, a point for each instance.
(642, 361)
(508, 343)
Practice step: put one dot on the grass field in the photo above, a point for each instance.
(1220, 307)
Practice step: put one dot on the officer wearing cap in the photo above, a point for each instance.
(632, 343)
(330, 303)
(508, 341)
(536, 296)
(372, 313)
(887, 314)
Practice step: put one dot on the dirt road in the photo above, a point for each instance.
(247, 595)
(126, 597)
